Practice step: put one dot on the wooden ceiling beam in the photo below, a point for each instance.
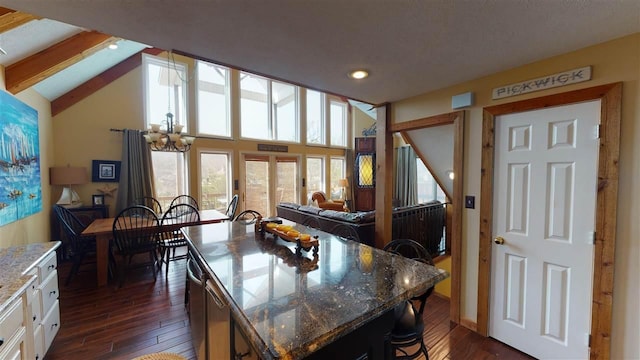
(37, 67)
(4, 10)
(99, 81)
(10, 19)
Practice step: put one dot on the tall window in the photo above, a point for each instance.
(213, 99)
(338, 114)
(170, 175)
(268, 109)
(165, 90)
(215, 180)
(428, 188)
(315, 174)
(315, 118)
(337, 169)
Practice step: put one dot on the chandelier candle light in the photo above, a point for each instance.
(171, 138)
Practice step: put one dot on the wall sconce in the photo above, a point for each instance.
(364, 164)
(67, 176)
(450, 174)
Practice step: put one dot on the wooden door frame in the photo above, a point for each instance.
(457, 119)
(610, 96)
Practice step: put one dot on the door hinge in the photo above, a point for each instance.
(589, 340)
(592, 238)
(597, 131)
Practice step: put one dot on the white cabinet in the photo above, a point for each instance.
(29, 307)
(13, 331)
(45, 306)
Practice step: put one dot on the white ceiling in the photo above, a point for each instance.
(409, 46)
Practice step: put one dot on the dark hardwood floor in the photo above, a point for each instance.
(145, 316)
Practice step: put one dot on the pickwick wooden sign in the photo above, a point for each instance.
(543, 83)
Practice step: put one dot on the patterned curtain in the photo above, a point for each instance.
(406, 180)
(136, 172)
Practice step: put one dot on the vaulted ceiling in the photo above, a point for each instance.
(409, 46)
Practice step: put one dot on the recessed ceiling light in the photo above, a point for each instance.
(358, 74)
(113, 46)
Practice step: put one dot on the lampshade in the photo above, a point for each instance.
(68, 175)
(343, 183)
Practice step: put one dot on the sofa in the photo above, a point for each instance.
(423, 223)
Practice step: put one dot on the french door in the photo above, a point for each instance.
(269, 180)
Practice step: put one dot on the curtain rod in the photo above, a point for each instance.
(116, 130)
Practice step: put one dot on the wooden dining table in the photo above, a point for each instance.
(102, 229)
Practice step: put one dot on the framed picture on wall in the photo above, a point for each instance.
(105, 171)
(98, 200)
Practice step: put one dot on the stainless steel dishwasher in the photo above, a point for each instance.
(197, 311)
(209, 315)
(218, 324)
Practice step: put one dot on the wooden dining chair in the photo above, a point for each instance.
(135, 232)
(233, 206)
(77, 247)
(171, 240)
(184, 199)
(248, 217)
(409, 325)
(149, 202)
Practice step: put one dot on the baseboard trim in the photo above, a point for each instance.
(469, 324)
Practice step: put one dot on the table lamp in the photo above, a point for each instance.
(67, 176)
(343, 183)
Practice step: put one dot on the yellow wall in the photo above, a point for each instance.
(613, 61)
(443, 288)
(34, 228)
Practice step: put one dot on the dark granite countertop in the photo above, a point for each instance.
(291, 306)
(15, 262)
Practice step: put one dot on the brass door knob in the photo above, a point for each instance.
(499, 240)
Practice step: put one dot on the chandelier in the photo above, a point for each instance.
(170, 137)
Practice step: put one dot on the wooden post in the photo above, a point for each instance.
(384, 179)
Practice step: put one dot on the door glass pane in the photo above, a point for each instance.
(315, 175)
(315, 118)
(286, 181)
(257, 186)
(284, 111)
(169, 173)
(254, 107)
(212, 90)
(214, 182)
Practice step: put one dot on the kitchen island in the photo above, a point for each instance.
(334, 302)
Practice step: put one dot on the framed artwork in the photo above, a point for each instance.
(105, 171)
(21, 191)
(98, 200)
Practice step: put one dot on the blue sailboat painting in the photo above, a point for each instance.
(20, 186)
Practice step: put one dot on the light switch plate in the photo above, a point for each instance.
(470, 202)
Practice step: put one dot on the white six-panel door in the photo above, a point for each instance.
(544, 209)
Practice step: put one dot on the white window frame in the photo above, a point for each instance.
(178, 66)
(347, 123)
(230, 163)
(323, 119)
(271, 121)
(227, 91)
(344, 172)
(323, 166)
